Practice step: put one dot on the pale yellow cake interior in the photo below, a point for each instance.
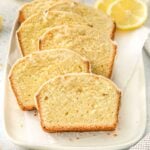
(97, 48)
(30, 72)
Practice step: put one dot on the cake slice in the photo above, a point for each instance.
(31, 29)
(78, 102)
(100, 50)
(30, 72)
(35, 6)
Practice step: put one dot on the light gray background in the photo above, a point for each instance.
(8, 10)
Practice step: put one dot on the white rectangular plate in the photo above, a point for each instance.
(23, 128)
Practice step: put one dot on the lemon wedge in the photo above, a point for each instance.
(103, 4)
(128, 14)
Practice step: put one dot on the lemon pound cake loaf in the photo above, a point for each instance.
(98, 49)
(30, 72)
(78, 102)
(31, 29)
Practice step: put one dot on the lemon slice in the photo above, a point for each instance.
(103, 4)
(128, 14)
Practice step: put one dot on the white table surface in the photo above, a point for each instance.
(8, 10)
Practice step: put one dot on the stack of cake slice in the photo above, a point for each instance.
(68, 56)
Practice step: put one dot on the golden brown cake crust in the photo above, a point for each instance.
(19, 43)
(113, 60)
(21, 17)
(13, 87)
